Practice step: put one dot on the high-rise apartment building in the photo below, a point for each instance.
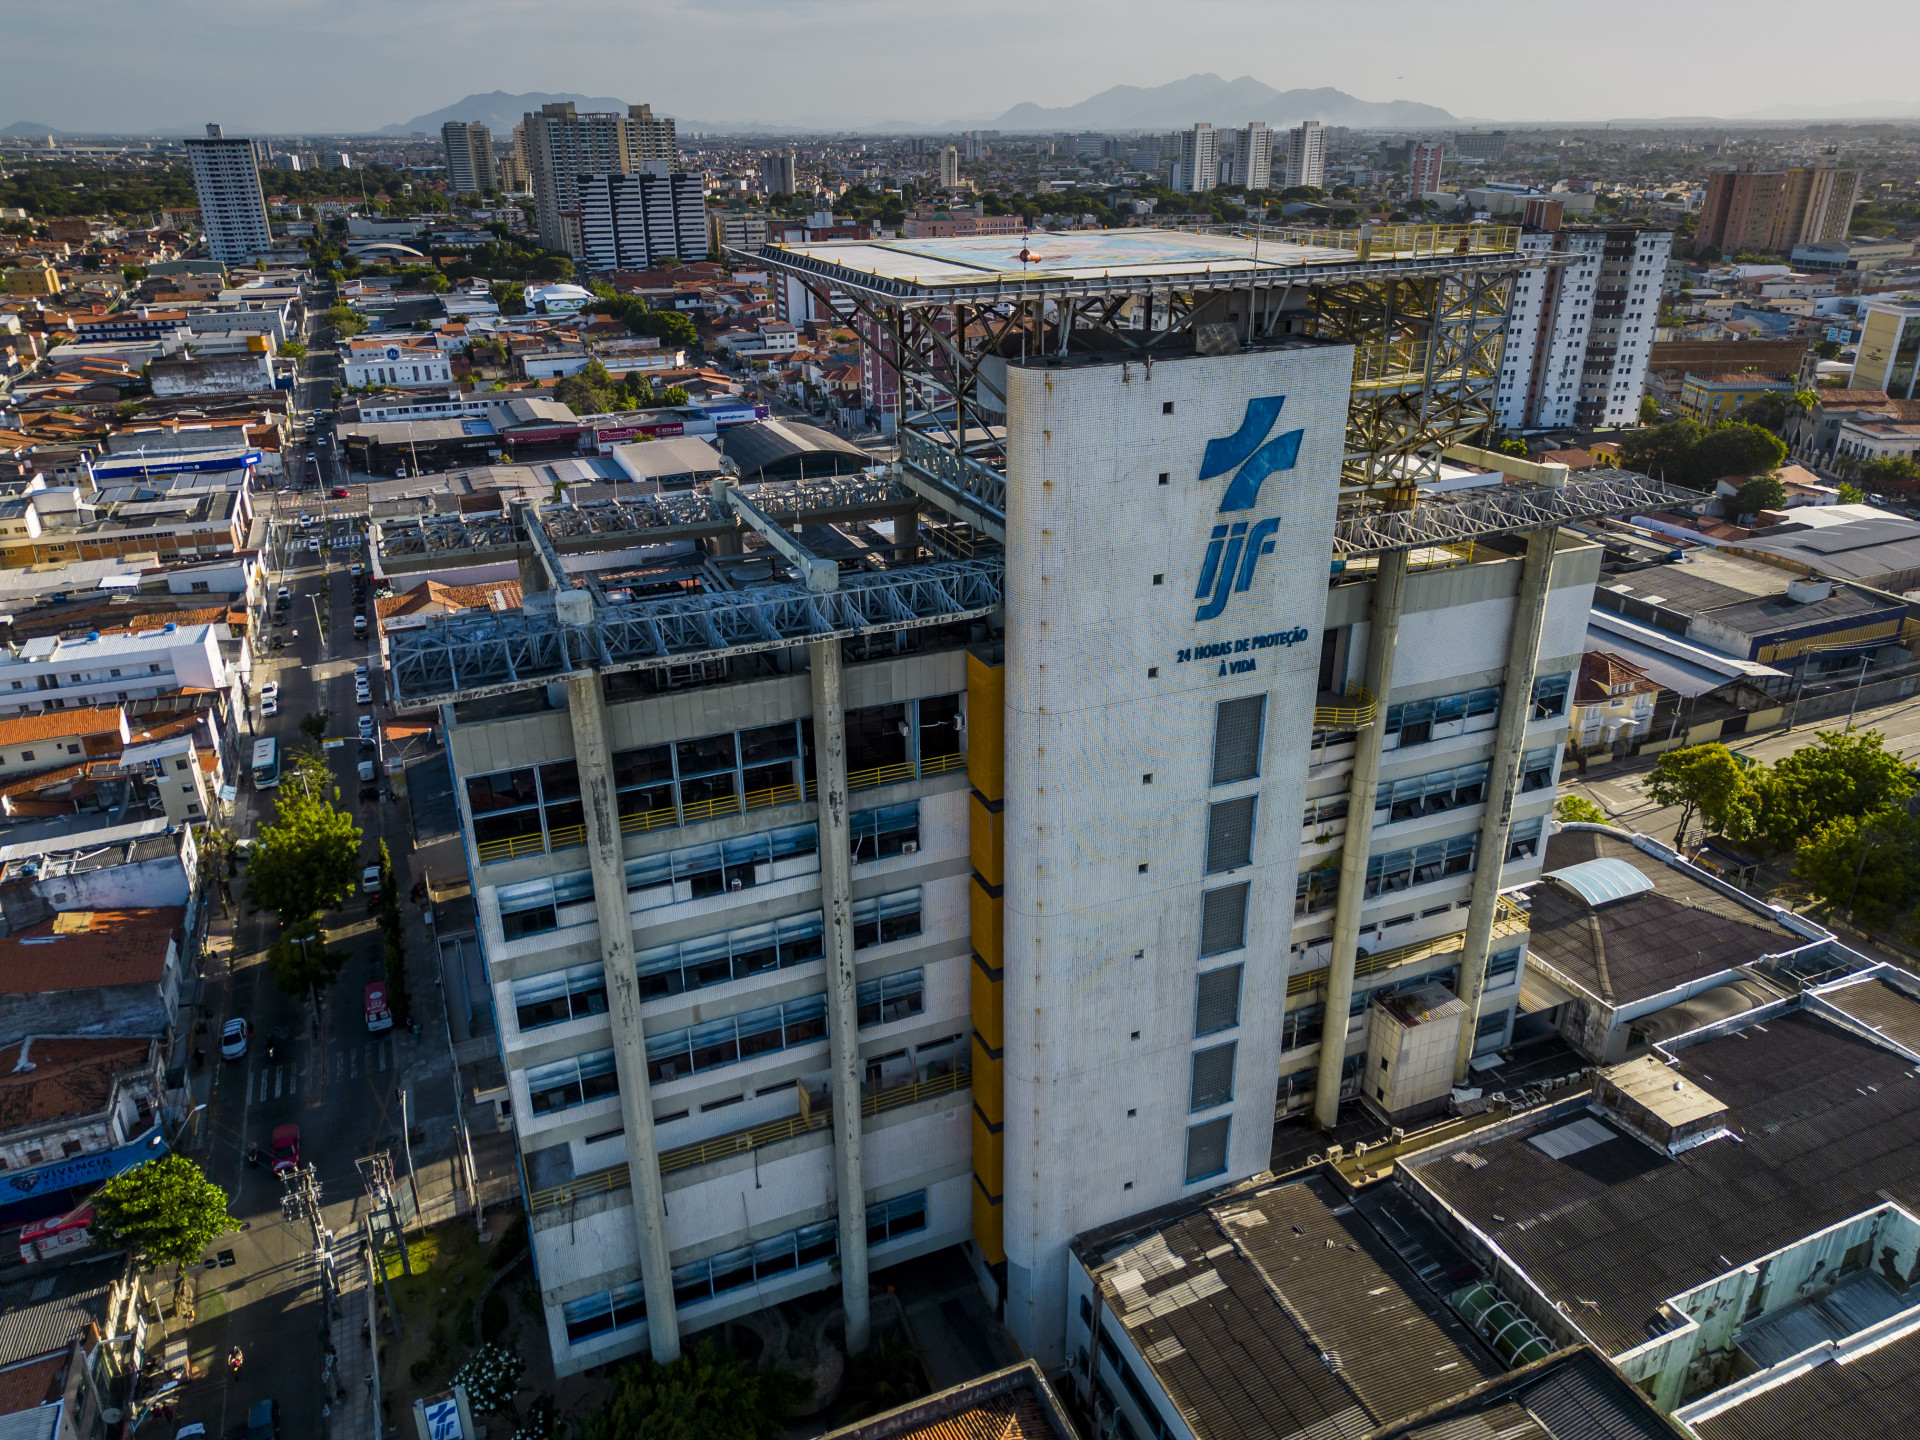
(1889, 350)
(634, 221)
(973, 145)
(779, 174)
(470, 164)
(563, 144)
(1751, 209)
(1307, 155)
(1198, 168)
(233, 211)
(949, 168)
(1579, 335)
(1252, 156)
(1480, 144)
(1424, 166)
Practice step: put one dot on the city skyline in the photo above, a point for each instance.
(328, 78)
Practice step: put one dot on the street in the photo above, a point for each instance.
(344, 1087)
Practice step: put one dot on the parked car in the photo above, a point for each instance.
(233, 1038)
(270, 690)
(366, 727)
(370, 880)
(263, 1420)
(362, 694)
(356, 569)
(339, 492)
(271, 708)
(286, 1160)
(379, 1017)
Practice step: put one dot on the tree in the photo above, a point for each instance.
(302, 964)
(1578, 810)
(1736, 449)
(307, 860)
(314, 726)
(1649, 410)
(674, 395)
(673, 328)
(1890, 472)
(706, 1394)
(888, 1373)
(1775, 409)
(133, 274)
(1827, 349)
(1838, 776)
(491, 1377)
(165, 1210)
(1852, 494)
(1761, 492)
(293, 350)
(1868, 865)
(344, 320)
(511, 298)
(1704, 780)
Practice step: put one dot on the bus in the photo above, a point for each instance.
(266, 764)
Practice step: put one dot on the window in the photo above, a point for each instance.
(534, 905)
(886, 917)
(1237, 727)
(1414, 722)
(1223, 920)
(697, 871)
(1212, 1082)
(613, 1309)
(1420, 865)
(1217, 1001)
(1495, 1024)
(560, 995)
(1323, 812)
(894, 997)
(880, 834)
(573, 1081)
(1207, 1149)
(1550, 696)
(526, 811)
(1523, 839)
(793, 1250)
(891, 1219)
(1536, 769)
(1505, 963)
(1302, 1026)
(739, 1037)
(1229, 835)
(1316, 890)
(879, 739)
(729, 955)
(1430, 794)
(26, 755)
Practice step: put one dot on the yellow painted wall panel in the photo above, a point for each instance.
(986, 727)
(989, 1085)
(988, 925)
(987, 1008)
(987, 834)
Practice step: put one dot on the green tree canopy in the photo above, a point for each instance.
(1577, 809)
(1762, 492)
(1852, 494)
(1890, 472)
(166, 1210)
(308, 859)
(1705, 780)
(301, 965)
(1868, 864)
(491, 1376)
(1649, 410)
(1838, 776)
(706, 1394)
(293, 350)
(1686, 452)
(345, 320)
(1773, 409)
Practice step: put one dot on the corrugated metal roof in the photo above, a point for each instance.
(43, 1314)
(1875, 1395)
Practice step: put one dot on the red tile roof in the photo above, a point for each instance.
(88, 949)
(70, 1077)
(58, 724)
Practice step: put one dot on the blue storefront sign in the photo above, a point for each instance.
(27, 1195)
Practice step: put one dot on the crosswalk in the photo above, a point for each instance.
(346, 1062)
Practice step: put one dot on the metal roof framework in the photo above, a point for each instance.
(1504, 509)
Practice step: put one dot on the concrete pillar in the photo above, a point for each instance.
(843, 1020)
(588, 713)
(1389, 593)
(724, 542)
(1509, 741)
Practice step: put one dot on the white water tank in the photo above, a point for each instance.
(1808, 592)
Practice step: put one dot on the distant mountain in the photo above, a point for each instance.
(1222, 102)
(29, 127)
(498, 111)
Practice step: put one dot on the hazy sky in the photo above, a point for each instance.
(348, 65)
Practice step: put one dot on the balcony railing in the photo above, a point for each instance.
(1508, 919)
(1353, 711)
(740, 1142)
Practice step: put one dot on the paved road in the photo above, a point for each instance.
(1620, 789)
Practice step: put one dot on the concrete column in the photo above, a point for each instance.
(588, 712)
(1509, 741)
(1389, 592)
(843, 1020)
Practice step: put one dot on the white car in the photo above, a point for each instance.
(233, 1038)
(370, 880)
(366, 727)
(359, 674)
(362, 694)
(270, 690)
(305, 518)
(269, 709)
(356, 569)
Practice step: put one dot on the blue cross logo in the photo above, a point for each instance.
(1235, 548)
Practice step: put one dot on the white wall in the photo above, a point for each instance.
(1097, 951)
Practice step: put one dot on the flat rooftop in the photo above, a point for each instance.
(1824, 1124)
(1876, 1393)
(1123, 259)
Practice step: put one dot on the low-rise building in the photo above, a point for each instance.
(72, 1341)
(50, 738)
(1708, 398)
(399, 360)
(54, 673)
(93, 972)
(1612, 703)
(68, 1097)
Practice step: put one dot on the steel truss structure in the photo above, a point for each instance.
(1504, 509)
(468, 657)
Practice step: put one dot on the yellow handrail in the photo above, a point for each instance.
(641, 821)
(511, 847)
(1347, 717)
(1508, 920)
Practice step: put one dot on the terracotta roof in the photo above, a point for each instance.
(86, 949)
(1601, 671)
(38, 1383)
(71, 1077)
(1842, 398)
(57, 724)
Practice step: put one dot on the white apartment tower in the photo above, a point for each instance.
(1579, 335)
(470, 164)
(1253, 156)
(633, 222)
(949, 168)
(233, 212)
(1307, 155)
(1424, 167)
(563, 145)
(1197, 170)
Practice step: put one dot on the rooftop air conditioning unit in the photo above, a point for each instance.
(909, 847)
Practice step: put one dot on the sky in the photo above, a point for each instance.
(344, 66)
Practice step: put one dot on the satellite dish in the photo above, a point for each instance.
(111, 1415)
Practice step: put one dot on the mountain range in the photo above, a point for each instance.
(1181, 103)
(498, 111)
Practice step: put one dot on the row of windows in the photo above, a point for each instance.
(536, 809)
(1305, 1025)
(1415, 722)
(1442, 790)
(777, 1255)
(1318, 889)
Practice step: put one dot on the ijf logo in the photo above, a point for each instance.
(1235, 548)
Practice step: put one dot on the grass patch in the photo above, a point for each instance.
(450, 1270)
